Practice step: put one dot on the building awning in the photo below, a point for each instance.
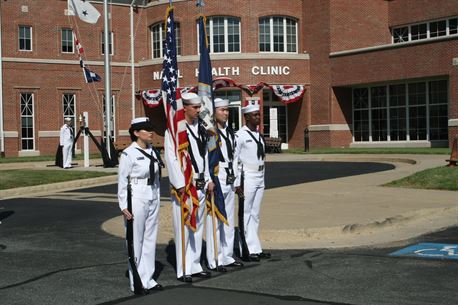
(286, 93)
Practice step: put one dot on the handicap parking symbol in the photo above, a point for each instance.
(430, 251)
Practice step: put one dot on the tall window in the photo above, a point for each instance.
(411, 111)
(277, 34)
(27, 126)
(361, 114)
(223, 34)
(157, 37)
(25, 38)
(67, 41)
(68, 105)
(110, 43)
(438, 114)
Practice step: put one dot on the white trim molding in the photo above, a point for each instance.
(439, 143)
(11, 134)
(96, 133)
(452, 122)
(28, 153)
(49, 133)
(123, 133)
(329, 127)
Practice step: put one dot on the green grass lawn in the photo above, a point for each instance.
(381, 150)
(439, 178)
(27, 177)
(44, 158)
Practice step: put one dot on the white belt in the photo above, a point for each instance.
(252, 167)
(225, 164)
(141, 181)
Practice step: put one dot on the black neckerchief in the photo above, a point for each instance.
(261, 153)
(201, 141)
(152, 161)
(230, 149)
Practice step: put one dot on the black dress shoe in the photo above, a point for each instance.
(254, 257)
(218, 269)
(186, 279)
(158, 287)
(264, 255)
(141, 291)
(203, 274)
(235, 264)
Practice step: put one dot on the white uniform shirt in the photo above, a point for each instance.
(136, 165)
(173, 164)
(246, 151)
(66, 135)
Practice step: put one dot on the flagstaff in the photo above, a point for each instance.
(106, 33)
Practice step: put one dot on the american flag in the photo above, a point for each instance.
(176, 124)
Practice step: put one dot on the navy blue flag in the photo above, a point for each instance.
(214, 143)
(90, 76)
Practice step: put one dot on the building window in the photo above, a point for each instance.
(426, 30)
(275, 116)
(223, 34)
(401, 112)
(453, 26)
(438, 28)
(438, 114)
(67, 41)
(277, 34)
(419, 31)
(27, 124)
(110, 43)
(25, 38)
(157, 38)
(361, 114)
(68, 105)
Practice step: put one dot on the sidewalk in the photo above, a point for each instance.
(343, 212)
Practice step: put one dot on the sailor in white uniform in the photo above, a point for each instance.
(250, 154)
(226, 175)
(201, 180)
(141, 163)
(66, 141)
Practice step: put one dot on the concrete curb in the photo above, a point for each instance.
(42, 189)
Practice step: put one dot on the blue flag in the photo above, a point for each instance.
(90, 76)
(205, 91)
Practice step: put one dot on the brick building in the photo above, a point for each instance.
(374, 72)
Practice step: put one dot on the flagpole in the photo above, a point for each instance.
(2, 132)
(106, 32)
(132, 49)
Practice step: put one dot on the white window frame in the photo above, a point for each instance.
(112, 43)
(31, 38)
(226, 34)
(65, 103)
(33, 120)
(161, 39)
(428, 34)
(285, 39)
(62, 41)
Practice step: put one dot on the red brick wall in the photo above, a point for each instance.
(362, 24)
(412, 11)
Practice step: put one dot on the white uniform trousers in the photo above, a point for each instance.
(224, 233)
(67, 155)
(253, 190)
(146, 220)
(193, 240)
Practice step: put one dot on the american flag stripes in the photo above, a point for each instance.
(176, 124)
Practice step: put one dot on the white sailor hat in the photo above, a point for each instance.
(251, 106)
(67, 119)
(219, 102)
(190, 98)
(141, 123)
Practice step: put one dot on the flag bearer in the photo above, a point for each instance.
(250, 155)
(140, 163)
(226, 175)
(201, 180)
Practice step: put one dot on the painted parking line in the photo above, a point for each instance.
(430, 251)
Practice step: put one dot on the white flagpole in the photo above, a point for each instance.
(132, 54)
(106, 32)
(2, 132)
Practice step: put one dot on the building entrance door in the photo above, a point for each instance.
(275, 118)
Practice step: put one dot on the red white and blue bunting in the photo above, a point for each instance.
(286, 93)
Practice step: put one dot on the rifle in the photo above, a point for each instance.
(244, 252)
(138, 286)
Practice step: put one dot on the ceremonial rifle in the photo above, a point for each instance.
(138, 286)
(244, 252)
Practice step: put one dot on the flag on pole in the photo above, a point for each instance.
(89, 76)
(79, 47)
(176, 124)
(84, 10)
(214, 142)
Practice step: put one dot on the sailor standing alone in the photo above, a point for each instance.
(66, 141)
(250, 153)
(140, 167)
